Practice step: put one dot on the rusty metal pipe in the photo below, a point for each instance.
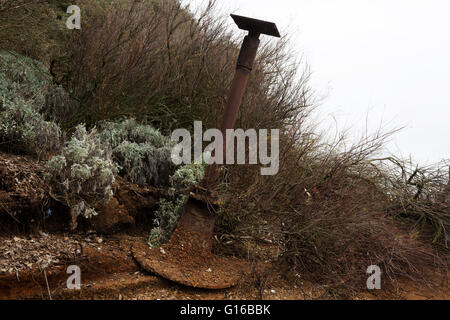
(239, 84)
(198, 221)
(244, 67)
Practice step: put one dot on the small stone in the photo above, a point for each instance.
(162, 250)
(273, 291)
(209, 270)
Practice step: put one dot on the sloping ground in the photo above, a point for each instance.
(41, 273)
(35, 250)
(108, 271)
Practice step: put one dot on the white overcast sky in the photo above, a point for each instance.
(389, 59)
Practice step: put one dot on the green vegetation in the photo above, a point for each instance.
(83, 175)
(171, 208)
(142, 152)
(332, 210)
(24, 86)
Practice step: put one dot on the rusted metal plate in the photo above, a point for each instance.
(255, 25)
(187, 257)
(198, 271)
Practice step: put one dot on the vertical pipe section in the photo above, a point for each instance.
(244, 67)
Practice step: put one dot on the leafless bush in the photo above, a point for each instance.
(327, 210)
(163, 64)
(419, 195)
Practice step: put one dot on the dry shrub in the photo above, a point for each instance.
(327, 211)
(141, 59)
(34, 28)
(82, 176)
(158, 62)
(419, 195)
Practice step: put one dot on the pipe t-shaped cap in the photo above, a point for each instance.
(256, 26)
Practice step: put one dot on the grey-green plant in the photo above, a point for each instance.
(28, 79)
(30, 103)
(23, 77)
(142, 152)
(82, 176)
(24, 129)
(171, 207)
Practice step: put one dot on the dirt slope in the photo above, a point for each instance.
(36, 249)
(108, 271)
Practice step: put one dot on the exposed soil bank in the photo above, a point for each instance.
(108, 271)
(36, 249)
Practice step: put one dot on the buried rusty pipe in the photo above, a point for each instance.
(244, 67)
(187, 258)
